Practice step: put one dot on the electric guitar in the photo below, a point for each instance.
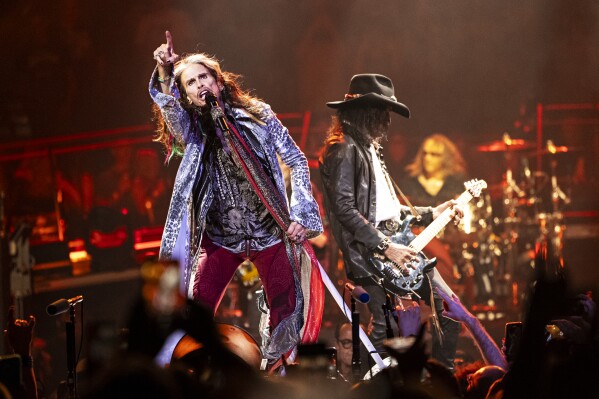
(407, 278)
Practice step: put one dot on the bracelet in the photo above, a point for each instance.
(164, 80)
(382, 247)
(27, 361)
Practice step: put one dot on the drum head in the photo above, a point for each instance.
(236, 339)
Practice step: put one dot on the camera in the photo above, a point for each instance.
(513, 335)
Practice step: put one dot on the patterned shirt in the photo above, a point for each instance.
(237, 217)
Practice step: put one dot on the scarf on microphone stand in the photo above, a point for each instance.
(311, 286)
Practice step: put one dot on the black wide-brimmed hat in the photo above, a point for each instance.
(371, 89)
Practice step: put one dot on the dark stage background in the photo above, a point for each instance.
(464, 67)
(469, 69)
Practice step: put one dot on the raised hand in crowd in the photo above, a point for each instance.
(489, 350)
(408, 318)
(19, 333)
(576, 327)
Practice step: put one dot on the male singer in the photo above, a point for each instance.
(229, 201)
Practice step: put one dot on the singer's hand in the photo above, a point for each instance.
(296, 232)
(19, 333)
(401, 255)
(165, 55)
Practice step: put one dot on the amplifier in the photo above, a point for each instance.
(146, 243)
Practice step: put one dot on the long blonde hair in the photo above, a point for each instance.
(452, 162)
(232, 94)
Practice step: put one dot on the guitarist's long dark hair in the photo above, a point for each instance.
(364, 125)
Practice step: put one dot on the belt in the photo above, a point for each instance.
(389, 227)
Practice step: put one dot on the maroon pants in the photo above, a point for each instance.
(217, 267)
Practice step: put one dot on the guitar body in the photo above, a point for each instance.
(411, 279)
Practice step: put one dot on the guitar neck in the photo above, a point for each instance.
(438, 224)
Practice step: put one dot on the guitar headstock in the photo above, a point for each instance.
(475, 187)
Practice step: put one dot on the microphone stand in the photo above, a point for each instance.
(387, 308)
(356, 362)
(71, 358)
(5, 288)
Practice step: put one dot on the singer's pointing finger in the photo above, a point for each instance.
(169, 43)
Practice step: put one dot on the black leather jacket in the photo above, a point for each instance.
(350, 202)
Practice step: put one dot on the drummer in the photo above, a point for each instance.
(436, 175)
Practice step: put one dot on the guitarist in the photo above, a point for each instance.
(363, 208)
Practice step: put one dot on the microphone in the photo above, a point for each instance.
(62, 305)
(218, 116)
(358, 293)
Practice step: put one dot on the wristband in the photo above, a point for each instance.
(382, 247)
(164, 80)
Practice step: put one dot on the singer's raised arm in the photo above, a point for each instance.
(165, 93)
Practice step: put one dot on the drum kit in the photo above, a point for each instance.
(500, 230)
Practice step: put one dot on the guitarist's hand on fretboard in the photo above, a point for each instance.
(401, 255)
(458, 211)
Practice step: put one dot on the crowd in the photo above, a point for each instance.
(556, 355)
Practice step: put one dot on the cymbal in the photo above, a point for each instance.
(505, 145)
(558, 149)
